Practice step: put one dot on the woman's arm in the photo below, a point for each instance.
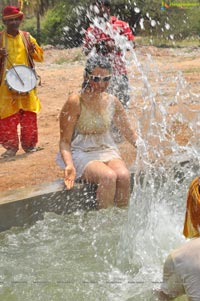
(123, 124)
(68, 119)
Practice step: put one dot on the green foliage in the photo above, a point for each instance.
(52, 26)
(172, 23)
(180, 24)
(1, 27)
(63, 25)
(30, 26)
(62, 22)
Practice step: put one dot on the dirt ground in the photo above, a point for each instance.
(61, 74)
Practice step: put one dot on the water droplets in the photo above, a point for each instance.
(167, 26)
(137, 10)
(66, 29)
(142, 23)
(153, 23)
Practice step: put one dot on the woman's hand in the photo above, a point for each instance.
(69, 176)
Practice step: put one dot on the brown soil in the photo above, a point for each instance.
(61, 74)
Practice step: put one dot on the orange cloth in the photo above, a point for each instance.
(192, 215)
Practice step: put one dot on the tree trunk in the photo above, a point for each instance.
(38, 26)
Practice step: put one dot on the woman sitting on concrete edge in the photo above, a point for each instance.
(87, 149)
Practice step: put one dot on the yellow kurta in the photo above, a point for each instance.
(11, 102)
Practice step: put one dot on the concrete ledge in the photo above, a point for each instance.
(26, 206)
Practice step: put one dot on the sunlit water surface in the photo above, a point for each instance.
(69, 257)
(90, 255)
(113, 254)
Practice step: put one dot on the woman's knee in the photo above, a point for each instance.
(123, 176)
(109, 178)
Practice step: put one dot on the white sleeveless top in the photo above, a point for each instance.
(92, 140)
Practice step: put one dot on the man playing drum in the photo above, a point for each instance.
(18, 50)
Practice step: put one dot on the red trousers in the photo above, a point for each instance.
(28, 130)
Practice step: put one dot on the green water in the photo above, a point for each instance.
(63, 258)
(73, 258)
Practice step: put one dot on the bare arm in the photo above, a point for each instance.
(123, 124)
(68, 119)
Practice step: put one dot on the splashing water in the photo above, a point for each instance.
(162, 173)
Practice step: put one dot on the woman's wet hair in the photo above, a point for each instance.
(97, 61)
(93, 62)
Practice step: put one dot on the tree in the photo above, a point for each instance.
(38, 9)
(64, 21)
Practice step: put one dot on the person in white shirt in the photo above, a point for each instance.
(181, 272)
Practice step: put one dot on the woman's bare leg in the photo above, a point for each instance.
(101, 174)
(122, 194)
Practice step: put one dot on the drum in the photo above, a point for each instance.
(21, 78)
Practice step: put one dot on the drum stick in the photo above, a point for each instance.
(16, 72)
